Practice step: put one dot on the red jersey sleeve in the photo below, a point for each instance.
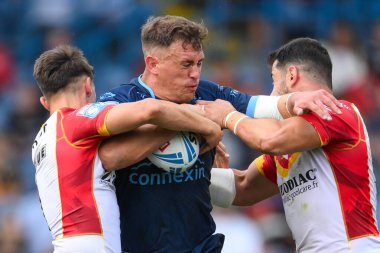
(87, 123)
(342, 128)
(267, 167)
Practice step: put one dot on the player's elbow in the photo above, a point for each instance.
(270, 144)
(260, 142)
(267, 145)
(108, 157)
(264, 141)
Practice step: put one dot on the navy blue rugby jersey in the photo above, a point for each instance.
(162, 211)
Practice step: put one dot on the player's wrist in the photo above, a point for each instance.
(226, 118)
(212, 128)
(286, 105)
(289, 103)
(233, 120)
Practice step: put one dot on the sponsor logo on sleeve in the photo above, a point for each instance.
(107, 95)
(92, 110)
(234, 93)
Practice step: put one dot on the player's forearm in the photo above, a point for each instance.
(274, 107)
(252, 187)
(297, 103)
(256, 133)
(125, 117)
(273, 136)
(262, 135)
(124, 150)
(180, 118)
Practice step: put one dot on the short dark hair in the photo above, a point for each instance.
(307, 52)
(55, 69)
(162, 31)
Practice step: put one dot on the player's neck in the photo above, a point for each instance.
(66, 100)
(158, 89)
(310, 86)
(308, 83)
(151, 81)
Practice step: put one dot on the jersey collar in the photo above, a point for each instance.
(141, 82)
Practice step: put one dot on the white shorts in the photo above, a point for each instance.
(83, 244)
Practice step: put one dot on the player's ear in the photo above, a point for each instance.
(44, 102)
(88, 87)
(151, 64)
(292, 76)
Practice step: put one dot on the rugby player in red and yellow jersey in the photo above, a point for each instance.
(77, 194)
(322, 169)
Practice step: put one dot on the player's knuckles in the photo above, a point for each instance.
(305, 104)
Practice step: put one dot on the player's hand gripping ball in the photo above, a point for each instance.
(178, 154)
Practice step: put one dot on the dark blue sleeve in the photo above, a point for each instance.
(243, 102)
(122, 94)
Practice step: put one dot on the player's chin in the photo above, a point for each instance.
(187, 97)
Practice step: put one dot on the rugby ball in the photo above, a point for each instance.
(178, 154)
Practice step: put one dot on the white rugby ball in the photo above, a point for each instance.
(178, 154)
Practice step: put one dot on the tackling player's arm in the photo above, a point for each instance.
(127, 116)
(278, 107)
(269, 136)
(277, 137)
(252, 187)
(299, 103)
(266, 135)
(124, 150)
(240, 187)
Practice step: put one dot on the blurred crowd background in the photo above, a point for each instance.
(241, 34)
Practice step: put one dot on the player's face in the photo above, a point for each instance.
(279, 81)
(179, 71)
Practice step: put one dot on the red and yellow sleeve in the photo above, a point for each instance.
(267, 167)
(88, 122)
(101, 122)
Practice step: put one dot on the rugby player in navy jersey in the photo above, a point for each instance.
(159, 211)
